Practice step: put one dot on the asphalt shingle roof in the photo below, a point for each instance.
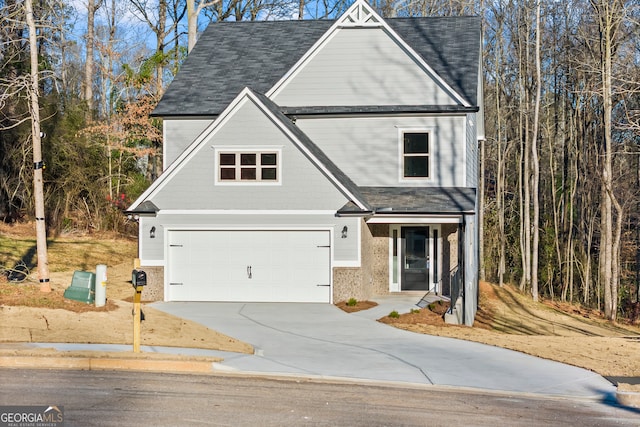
(232, 55)
(337, 173)
(417, 200)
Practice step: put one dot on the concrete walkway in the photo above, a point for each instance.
(320, 340)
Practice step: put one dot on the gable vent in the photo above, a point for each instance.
(361, 14)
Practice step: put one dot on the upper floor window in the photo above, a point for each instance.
(248, 166)
(415, 155)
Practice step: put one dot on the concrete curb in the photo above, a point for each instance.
(106, 363)
(170, 363)
(628, 398)
(213, 368)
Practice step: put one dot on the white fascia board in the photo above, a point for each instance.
(293, 138)
(425, 65)
(164, 146)
(187, 154)
(245, 95)
(345, 22)
(309, 54)
(390, 219)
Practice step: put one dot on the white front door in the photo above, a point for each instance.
(249, 265)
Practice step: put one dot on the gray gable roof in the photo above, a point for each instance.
(450, 45)
(232, 55)
(337, 173)
(416, 200)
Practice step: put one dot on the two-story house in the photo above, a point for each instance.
(317, 161)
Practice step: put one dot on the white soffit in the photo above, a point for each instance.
(389, 219)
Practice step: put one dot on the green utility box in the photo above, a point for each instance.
(83, 287)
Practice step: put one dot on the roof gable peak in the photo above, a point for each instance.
(360, 14)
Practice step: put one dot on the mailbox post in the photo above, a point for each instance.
(138, 280)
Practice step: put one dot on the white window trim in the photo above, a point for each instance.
(247, 149)
(397, 287)
(401, 132)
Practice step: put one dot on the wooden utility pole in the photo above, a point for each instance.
(38, 164)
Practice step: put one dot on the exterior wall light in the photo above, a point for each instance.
(345, 229)
(152, 232)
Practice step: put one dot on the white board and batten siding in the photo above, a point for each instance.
(361, 66)
(251, 265)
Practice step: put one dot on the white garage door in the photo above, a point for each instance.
(251, 265)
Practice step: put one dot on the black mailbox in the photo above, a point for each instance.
(138, 278)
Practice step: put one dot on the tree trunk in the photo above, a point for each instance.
(160, 35)
(192, 24)
(92, 7)
(535, 182)
(38, 184)
(608, 19)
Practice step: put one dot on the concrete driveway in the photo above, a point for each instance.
(321, 340)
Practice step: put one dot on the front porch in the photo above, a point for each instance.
(410, 259)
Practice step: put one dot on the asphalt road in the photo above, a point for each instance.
(92, 398)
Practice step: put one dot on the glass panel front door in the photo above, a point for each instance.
(415, 259)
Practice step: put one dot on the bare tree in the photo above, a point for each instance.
(193, 12)
(92, 8)
(535, 181)
(155, 16)
(609, 15)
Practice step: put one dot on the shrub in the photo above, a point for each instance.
(394, 314)
(352, 302)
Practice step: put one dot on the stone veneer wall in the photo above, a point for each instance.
(154, 291)
(349, 282)
(449, 255)
(380, 245)
(372, 277)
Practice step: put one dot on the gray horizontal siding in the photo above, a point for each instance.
(302, 185)
(148, 248)
(344, 250)
(178, 134)
(472, 151)
(362, 66)
(368, 149)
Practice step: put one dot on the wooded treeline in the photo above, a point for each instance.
(560, 168)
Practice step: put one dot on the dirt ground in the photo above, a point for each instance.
(506, 318)
(52, 318)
